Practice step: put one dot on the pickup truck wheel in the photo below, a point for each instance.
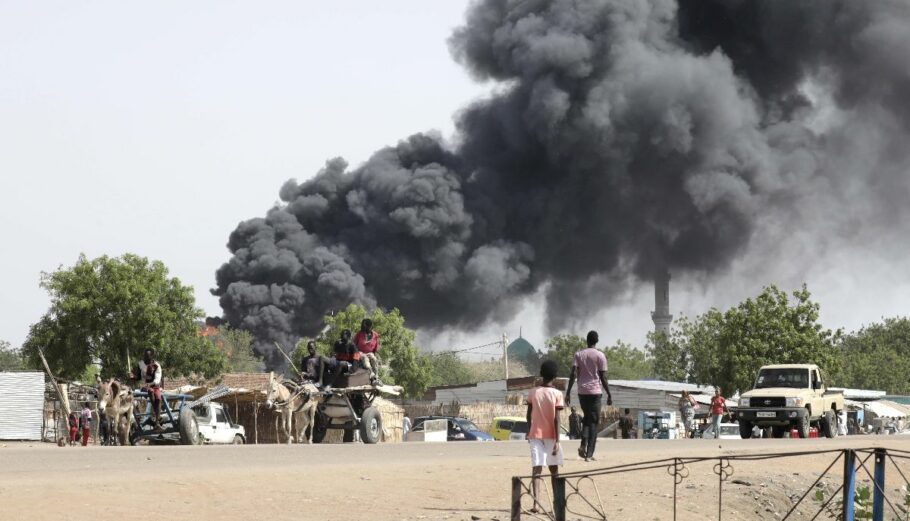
(829, 424)
(745, 429)
(802, 426)
(777, 431)
(238, 440)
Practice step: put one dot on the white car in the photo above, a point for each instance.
(216, 427)
(728, 431)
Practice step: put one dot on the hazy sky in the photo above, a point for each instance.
(156, 128)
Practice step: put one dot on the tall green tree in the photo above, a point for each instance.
(727, 348)
(878, 357)
(562, 348)
(669, 359)
(237, 346)
(397, 345)
(11, 359)
(108, 309)
(625, 362)
(448, 369)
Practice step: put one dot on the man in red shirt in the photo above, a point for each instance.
(367, 342)
(718, 407)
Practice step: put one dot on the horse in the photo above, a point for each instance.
(297, 407)
(116, 400)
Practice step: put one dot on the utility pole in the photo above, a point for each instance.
(505, 353)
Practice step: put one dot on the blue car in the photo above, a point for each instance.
(460, 429)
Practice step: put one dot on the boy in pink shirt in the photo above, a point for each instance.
(544, 403)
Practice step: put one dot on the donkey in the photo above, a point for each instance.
(116, 400)
(297, 407)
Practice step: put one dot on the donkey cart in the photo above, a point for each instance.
(177, 420)
(351, 409)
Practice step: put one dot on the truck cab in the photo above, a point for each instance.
(216, 427)
(790, 396)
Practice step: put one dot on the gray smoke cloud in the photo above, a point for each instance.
(626, 137)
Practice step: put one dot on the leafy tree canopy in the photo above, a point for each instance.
(878, 357)
(11, 359)
(727, 348)
(109, 308)
(237, 347)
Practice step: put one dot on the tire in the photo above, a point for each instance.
(319, 428)
(371, 425)
(188, 426)
(829, 424)
(778, 431)
(802, 426)
(745, 429)
(238, 440)
(348, 436)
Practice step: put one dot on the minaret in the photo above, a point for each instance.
(661, 314)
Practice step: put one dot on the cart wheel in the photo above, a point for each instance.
(319, 429)
(188, 427)
(371, 425)
(348, 436)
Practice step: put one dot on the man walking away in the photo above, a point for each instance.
(687, 405)
(544, 404)
(590, 367)
(574, 425)
(85, 420)
(626, 424)
(718, 408)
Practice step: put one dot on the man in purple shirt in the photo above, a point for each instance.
(590, 367)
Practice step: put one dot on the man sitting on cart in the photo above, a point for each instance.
(149, 372)
(367, 342)
(346, 358)
(313, 365)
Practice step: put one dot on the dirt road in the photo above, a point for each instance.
(385, 482)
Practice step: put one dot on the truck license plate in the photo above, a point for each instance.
(766, 414)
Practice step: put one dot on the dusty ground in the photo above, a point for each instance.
(391, 482)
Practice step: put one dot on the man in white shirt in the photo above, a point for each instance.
(405, 428)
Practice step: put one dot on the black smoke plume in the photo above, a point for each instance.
(625, 137)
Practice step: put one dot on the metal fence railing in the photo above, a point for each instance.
(834, 494)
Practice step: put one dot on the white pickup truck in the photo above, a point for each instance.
(790, 396)
(216, 427)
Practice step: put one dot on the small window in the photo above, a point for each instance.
(220, 417)
(506, 425)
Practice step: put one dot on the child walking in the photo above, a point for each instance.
(544, 404)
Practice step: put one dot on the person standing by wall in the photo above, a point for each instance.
(85, 420)
(718, 408)
(590, 368)
(626, 424)
(687, 406)
(74, 428)
(405, 428)
(575, 425)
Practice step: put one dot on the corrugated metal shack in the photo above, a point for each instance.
(21, 405)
